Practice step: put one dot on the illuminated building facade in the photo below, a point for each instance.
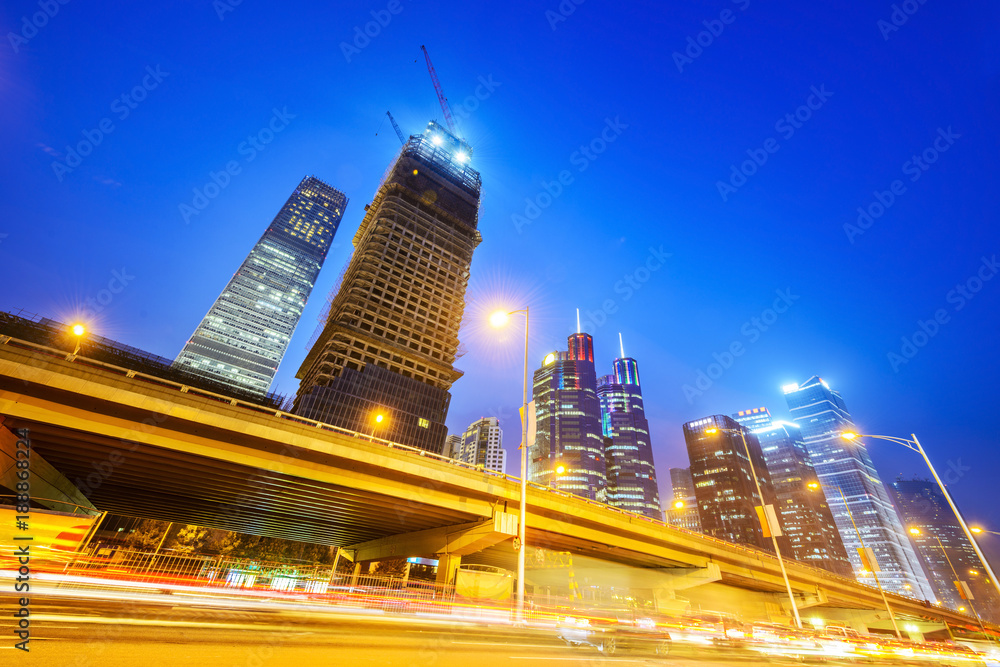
(922, 506)
(628, 450)
(801, 505)
(822, 415)
(242, 339)
(391, 337)
(482, 445)
(723, 483)
(568, 451)
(683, 510)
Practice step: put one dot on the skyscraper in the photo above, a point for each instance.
(242, 339)
(453, 447)
(568, 451)
(628, 450)
(683, 511)
(391, 337)
(482, 445)
(805, 517)
(822, 415)
(922, 506)
(723, 482)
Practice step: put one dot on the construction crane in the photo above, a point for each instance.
(440, 93)
(399, 133)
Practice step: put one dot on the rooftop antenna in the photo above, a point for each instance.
(621, 345)
(578, 320)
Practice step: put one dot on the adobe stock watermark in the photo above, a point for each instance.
(702, 40)
(116, 285)
(363, 35)
(751, 330)
(31, 25)
(914, 168)
(581, 159)
(249, 149)
(223, 7)
(483, 92)
(563, 12)
(901, 13)
(122, 106)
(786, 126)
(629, 284)
(958, 297)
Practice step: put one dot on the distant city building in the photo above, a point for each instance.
(391, 338)
(482, 445)
(453, 446)
(628, 449)
(242, 339)
(683, 510)
(805, 517)
(568, 452)
(922, 505)
(822, 415)
(723, 483)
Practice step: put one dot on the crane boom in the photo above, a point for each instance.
(399, 133)
(440, 93)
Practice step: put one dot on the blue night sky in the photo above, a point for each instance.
(642, 237)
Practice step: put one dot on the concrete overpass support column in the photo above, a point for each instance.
(447, 567)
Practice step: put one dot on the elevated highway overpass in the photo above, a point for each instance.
(138, 445)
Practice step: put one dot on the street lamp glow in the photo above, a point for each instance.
(499, 318)
(550, 358)
(711, 431)
(378, 418)
(976, 529)
(914, 531)
(679, 505)
(813, 485)
(848, 435)
(560, 469)
(78, 330)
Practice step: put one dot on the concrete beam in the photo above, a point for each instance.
(49, 487)
(458, 540)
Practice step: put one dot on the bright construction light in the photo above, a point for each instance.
(711, 431)
(550, 358)
(78, 330)
(499, 318)
(789, 388)
(679, 505)
(848, 435)
(437, 140)
(461, 156)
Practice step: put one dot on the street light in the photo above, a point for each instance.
(914, 445)
(977, 530)
(864, 550)
(499, 319)
(760, 494)
(959, 584)
(78, 331)
(378, 419)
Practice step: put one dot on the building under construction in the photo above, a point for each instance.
(383, 363)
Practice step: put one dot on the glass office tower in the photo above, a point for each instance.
(242, 339)
(723, 483)
(683, 511)
(391, 338)
(628, 449)
(822, 415)
(568, 452)
(922, 505)
(805, 516)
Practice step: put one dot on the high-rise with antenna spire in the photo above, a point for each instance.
(628, 450)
